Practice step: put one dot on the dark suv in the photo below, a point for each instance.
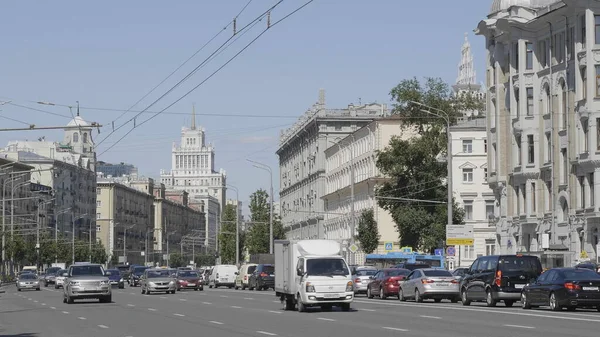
(498, 278)
(263, 277)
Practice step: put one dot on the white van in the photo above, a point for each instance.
(223, 275)
(241, 280)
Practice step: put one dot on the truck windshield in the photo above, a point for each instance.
(326, 267)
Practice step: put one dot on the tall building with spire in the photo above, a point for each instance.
(193, 170)
(466, 82)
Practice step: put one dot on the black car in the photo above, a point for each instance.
(262, 278)
(136, 274)
(116, 279)
(412, 266)
(50, 277)
(560, 288)
(499, 278)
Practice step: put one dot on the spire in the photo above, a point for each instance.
(193, 116)
(466, 71)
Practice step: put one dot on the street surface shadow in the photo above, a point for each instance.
(26, 334)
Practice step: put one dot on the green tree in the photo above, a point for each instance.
(99, 254)
(414, 164)
(227, 235)
(257, 237)
(176, 260)
(368, 232)
(114, 260)
(205, 260)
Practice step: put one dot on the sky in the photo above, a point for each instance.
(107, 55)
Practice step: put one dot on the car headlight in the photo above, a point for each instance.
(121, 280)
(310, 288)
(349, 286)
(36, 282)
(151, 284)
(74, 283)
(171, 283)
(103, 282)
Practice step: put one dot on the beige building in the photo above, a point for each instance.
(543, 123)
(124, 215)
(358, 151)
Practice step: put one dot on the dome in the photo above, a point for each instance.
(78, 121)
(502, 5)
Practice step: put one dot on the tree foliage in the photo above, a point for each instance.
(205, 260)
(367, 232)
(227, 235)
(414, 164)
(176, 260)
(257, 237)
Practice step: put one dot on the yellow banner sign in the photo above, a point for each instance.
(459, 242)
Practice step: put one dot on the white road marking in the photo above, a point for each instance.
(370, 310)
(102, 326)
(35, 301)
(82, 318)
(53, 308)
(248, 298)
(29, 299)
(130, 305)
(563, 316)
(215, 322)
(131, 293)
(519, 326)
(236, 307)
(266, 333)
(275, 312)
(394, 329)
(326, 319)
(65, 312)
(224, 296)
(151, 309)
(434, 317)
(164, 298)
(43, 303)
(207, 303)
(182, 299)
(276, 301)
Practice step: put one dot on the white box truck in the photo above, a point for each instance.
(312, 273)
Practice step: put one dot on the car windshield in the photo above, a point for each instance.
(326, 267)
(52, 270)
(586, 266)
(60, 272)
(251, 269)
(87, 271)
(188, 274)
(139, 270)
(399, 272)
(366, 272)
(268, 269)
(158, 273)
(28, 276)
(580, 274)
(114, 272)
(439, 273)
(520, 263)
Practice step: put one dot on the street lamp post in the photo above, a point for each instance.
(169, 257)
(125, 242)
(237, 224)
(268, 169)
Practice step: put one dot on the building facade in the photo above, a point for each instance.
(116, 170)
(543, 118)
(238, 205)
(302, 162)
(193, 170)
(358, 152)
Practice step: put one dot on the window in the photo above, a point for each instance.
(98, 228)
(549, 201)
(85, 137)
(529, 59)
(542, 53)
(597, 81)
(98, 215)
(570, 43)
(592, 189)
(529, 101)
(485, 145)
(485, 174)
(582, 192)
(468, 210)
(99, 203)
(517, 100)
(518, 200)
(597, 133)
(597, 28)
(530, 150)
(548, 148)
(75, 137)
(467, 146)
(469, 252)
(565, 164)
(563, 106)
(98, 191)
(584, 82)
(467, 175)
(524, 192)
(516, 56)
(586, 135)
(490, 247)
(518, 141)
(489, 208)
(583, 30)
(533, 199)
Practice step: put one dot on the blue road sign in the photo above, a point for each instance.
(450, 251)
(438, 252)
(389, 246)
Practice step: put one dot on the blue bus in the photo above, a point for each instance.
(393, 258)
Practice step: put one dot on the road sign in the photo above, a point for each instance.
(450, 251)
(438, 252)
(353, 248)
(389, 246)
(459, 235)
(406, 250)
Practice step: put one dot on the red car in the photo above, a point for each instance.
(189, 279)
(385, 282)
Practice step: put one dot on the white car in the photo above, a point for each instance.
(59, 281)
(223, 275)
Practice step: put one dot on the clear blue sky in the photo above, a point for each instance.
(109, 54)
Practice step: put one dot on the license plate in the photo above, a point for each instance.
(519, 286)
(590, 288)
(223, 280)
(443, 284)
(272, 275)
(331, 295)
(191, 284)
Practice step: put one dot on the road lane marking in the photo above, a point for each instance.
(207, 303)
(29, 299)
(102, 326)
(481, 309)
(275, 312)
(519, 326)
(65, 312)
(236, 307)
(82, 318)
(164, 298)
(53, 308)
(130, 305)
(151, 309)
(131, 293)
(179, 315)
(35, 301)
(182, 299)
(215, 322)
(276, 301)
(248, 298)
(266, 333)
(370, 310)
(394, 329)
(326, 319)
(434, 317)
(43, 303)
(224, 296)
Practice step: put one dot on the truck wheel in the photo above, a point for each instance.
(301, 306)
(288, 304)
(345, 306)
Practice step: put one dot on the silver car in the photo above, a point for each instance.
(429, 283)
(362, 278)
(158, 280)
(86, 280)
(28, 281)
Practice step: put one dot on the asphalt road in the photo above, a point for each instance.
(225, 312)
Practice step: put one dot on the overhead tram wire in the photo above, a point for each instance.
(213, 73)
(40, 110)
(190, 74)
(184, 63)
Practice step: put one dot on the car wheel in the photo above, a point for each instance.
(38, 289)
(70, 300)
(345, 306)
(437, 300)
(554, 306)
(18, 289)
(454, 300)
(509, 303)
(56, 287)
(464, 298)
(489, 299)
(46, 284)
(369, 294)
(401, 295)
(64, 299)
(301, 306)
(418, 297)
(381, 294)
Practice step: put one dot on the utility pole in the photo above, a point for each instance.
(37, 236)
(3, 227)
(73, 241)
